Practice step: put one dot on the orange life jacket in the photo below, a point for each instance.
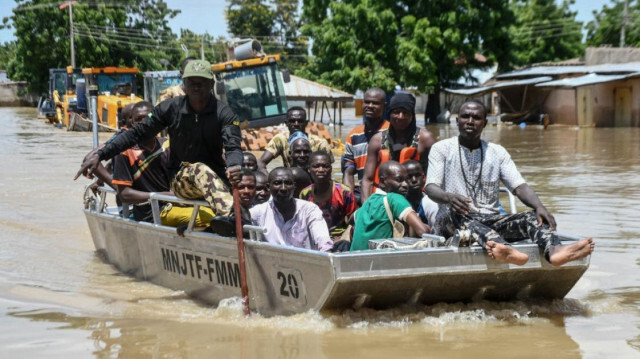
(406, 154)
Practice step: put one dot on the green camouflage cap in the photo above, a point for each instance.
(198, 68)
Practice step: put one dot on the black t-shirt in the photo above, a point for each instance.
(202, 137)
(145, 171)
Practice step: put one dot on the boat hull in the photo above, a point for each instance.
(285, 280)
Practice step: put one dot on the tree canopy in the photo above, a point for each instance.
(426, 45)
(275, 23)
(605, 29)
(544, 31)
(127, 33)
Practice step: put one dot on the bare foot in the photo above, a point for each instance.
(506, 254)
(560, 255)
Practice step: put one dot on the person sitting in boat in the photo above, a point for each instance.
(247, 188)
(463, 177)
(299, 150)
(175, 90)
(296, 120)
(142, 170)
(336, 200)
(262, 188)
(357, 142)
(200, 128)
(249, 161)
(290, 221)
(403, 140)
(301, 179)
(104, 172)
(420, 202)
(378, 216)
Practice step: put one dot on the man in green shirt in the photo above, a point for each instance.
(372, 219)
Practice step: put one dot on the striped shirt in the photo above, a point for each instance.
(355, 151)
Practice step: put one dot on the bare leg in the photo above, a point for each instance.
(506, 254)
(559, 255)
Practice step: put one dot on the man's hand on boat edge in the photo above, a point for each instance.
(89, 164)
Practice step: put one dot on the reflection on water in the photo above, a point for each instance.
(57, 298)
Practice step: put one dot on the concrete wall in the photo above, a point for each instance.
(611, 55)
(561, 104)
(15, 94)
(604, 102)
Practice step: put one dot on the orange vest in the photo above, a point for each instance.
(406, 154)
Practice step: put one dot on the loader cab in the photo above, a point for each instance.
(117, 87)
(157, 81)
(252, 85)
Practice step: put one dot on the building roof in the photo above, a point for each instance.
(499, 85)
(168, 73)
(299, 89)
(590, 79)
(571, 70)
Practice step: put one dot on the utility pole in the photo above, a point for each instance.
(202, 48)
(73, 54)
(624, 22)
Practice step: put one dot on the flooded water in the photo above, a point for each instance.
(58, 299)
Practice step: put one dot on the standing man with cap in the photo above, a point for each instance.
(403, 141)
(200, 128)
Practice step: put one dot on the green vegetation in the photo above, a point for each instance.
(427, 45)
(129, 33)
(274, 23)
(606, 28)
(544, 31)
(7, 53)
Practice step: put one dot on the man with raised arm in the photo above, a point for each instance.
(464, 176)
(201, 129)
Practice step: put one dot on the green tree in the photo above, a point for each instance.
(427, 45)
(545, 31)
(7, 53)
(126, 33)
(354, 48)
(274, 23)
(605, 29)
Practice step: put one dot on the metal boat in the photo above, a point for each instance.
(285, 280)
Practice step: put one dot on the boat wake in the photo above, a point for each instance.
(435, 317)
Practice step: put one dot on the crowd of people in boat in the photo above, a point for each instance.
(408, 182)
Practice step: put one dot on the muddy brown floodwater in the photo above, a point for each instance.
(58, 299)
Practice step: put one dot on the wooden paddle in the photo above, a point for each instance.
(243, 269)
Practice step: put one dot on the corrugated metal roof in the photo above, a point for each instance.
(501, 85)
(299, 89)
(585, 80)
(168, 73)
(567, 70)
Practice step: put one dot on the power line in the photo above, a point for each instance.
(569, 33)
(546, 31)
(528, 29)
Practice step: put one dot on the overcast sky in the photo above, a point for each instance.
(202, 16)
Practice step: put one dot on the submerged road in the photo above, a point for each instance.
(58, 299)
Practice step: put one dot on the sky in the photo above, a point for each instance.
(202, 16)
